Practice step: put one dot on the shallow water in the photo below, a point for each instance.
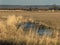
(41, 31)
(45, 32)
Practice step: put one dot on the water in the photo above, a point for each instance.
(29, 25)
(47, 32)
(41, 31)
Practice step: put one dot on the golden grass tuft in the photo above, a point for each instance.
(9, 32)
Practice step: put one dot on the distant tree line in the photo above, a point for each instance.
(53, 7)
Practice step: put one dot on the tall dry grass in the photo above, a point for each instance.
(9, 33)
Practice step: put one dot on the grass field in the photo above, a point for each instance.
(10, 35)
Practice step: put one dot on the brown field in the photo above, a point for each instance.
(8, 33)
(50, 18)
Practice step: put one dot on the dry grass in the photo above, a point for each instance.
(9, 32)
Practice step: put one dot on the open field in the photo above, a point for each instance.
(50, 18)
(10, 34)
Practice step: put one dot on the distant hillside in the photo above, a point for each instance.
(27, 6)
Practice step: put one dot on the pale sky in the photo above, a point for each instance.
(29, 2)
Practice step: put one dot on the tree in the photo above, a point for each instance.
(54, 7)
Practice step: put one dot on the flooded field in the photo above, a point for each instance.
(18, 27)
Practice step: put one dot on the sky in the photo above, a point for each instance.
(29, 2)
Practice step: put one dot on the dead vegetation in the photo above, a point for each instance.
(10, 35)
